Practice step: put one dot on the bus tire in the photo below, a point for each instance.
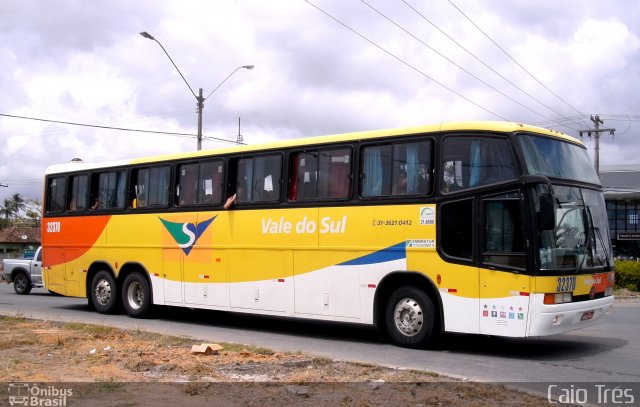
(104, 293)
(136, 295)
(21, 283)
(410, 317)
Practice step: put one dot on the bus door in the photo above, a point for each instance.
(504, 287)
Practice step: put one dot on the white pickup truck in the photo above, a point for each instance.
(25, 273)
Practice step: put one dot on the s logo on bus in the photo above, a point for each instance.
(186, 234)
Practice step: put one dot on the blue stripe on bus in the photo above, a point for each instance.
(396, 252)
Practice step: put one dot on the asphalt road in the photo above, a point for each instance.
(606, 353)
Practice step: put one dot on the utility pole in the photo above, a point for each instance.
(596, 134)
(239, 139)
(200, 106)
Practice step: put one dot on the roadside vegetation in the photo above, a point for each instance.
(628, 275)
(18, 211)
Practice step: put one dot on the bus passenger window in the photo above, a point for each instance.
(334, 173)
(151, 187)
(376, 170)
(398, 169)
(259, 179)
(470, 162)
(56, 194)
(304, 176)
(187, 184)
(108, 190)
(210, 182)
(79, 192)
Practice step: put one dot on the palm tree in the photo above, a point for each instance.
(6, 209)
(18, 203)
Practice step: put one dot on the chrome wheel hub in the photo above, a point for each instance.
(408, 317)
(103, 292)
(135, 295)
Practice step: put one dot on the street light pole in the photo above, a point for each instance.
(199, 98)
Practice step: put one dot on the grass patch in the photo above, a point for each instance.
(15, 343)
(97, 331)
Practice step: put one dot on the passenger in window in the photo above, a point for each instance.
(230, 201)
(400, 185)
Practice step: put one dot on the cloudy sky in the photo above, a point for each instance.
(321, 67)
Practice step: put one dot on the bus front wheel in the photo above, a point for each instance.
(104, 293)
(410, 317)
(136, 295)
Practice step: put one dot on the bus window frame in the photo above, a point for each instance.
(131, 195)
(49, 196)
(430, 171)
(319, 149)
(439, 172)
(230, 178)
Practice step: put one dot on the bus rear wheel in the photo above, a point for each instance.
(104, 293)
(136, 295)
(410, 317)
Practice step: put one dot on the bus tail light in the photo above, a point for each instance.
(557, 298)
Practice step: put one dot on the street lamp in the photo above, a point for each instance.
(199, 98)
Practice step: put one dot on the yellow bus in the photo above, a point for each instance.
(476, 227)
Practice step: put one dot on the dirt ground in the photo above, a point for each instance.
(76, 364)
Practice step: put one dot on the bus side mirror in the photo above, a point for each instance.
(546, 216)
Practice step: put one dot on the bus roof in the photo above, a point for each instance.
(498, 126)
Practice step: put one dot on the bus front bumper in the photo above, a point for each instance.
(554, 319)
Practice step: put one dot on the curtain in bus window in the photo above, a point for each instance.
(501, 166)
(308, 175)
(245, 180)
(266, 178)
(141, 188)
(112, 190)
(476, 163)
(412, 169)
(79, 193)
(334, 174)
(188, 184)
(57, 195)
(159, 186)
(372, 176)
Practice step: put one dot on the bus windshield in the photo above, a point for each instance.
(558, 159)
(578, 240)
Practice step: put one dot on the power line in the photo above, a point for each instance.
(485, 63)
(403, 61)
(96, 126)
(450, 60)
(513, 59)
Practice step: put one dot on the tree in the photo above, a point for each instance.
(17, 210)
(18, 203)
(6, 210)
(33, 211)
